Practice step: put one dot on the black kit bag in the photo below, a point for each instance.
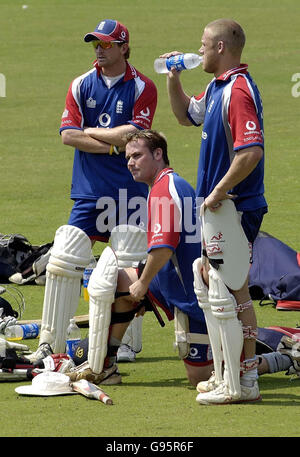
(14, 249)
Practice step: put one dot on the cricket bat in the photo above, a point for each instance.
(14, 375)
(90, 390)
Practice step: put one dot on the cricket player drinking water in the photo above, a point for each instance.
(231, 167)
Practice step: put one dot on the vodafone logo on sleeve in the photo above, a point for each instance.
(252, 133)
(250, 125)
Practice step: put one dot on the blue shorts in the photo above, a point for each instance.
(98, 223)
(200, 354)
(251, 222)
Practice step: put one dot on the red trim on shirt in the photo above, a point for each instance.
(164, 214)
(242, 117)
(243, 68)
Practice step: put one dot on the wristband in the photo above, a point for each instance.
(113, 149)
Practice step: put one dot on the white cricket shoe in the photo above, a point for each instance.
(221, 395)
(125, 354)
(207, 386)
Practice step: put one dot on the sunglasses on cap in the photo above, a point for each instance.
(104, 44)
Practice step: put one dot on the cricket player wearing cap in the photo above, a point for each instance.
(102, 105)
(166, 278)
(230, 179)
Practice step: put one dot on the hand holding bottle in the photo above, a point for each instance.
(177, 61)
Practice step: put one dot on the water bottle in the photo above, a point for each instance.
(73, 337)
(180, 62)
(21, 332)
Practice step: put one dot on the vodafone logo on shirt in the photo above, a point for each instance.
(250, 125)
(252, 133)
(104, 120)
(157, 228)
(143, 118)
(157, 236)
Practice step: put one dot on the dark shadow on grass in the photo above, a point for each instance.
(278, 399)
(154, 359)
(169, 382)
(267, 382)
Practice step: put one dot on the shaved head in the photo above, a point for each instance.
(230, 32)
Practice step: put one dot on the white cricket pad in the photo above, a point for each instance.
(223, 307)
(101, 288)
(129, 244)
(133, 335)
(70, 254)
(226, 244)
(201, 291)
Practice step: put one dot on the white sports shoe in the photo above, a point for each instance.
(125, 354)
(221, 396)
(207, 386)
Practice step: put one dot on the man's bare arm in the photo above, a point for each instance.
(242, 165)
(113, 136)
(179, 100)
(156, 259)
(80, 140)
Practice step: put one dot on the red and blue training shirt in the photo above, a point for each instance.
(231, 113)
(91, 103)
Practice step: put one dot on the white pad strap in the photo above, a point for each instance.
(249, 332)
(248, 365)
(101, 288)
(201, 291)
(129, 244)
(230, 328)
(242, 306)
(70, 254)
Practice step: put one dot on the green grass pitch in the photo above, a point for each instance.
(42, 50)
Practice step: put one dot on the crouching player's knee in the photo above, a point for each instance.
(198, 363)
(196, 374)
